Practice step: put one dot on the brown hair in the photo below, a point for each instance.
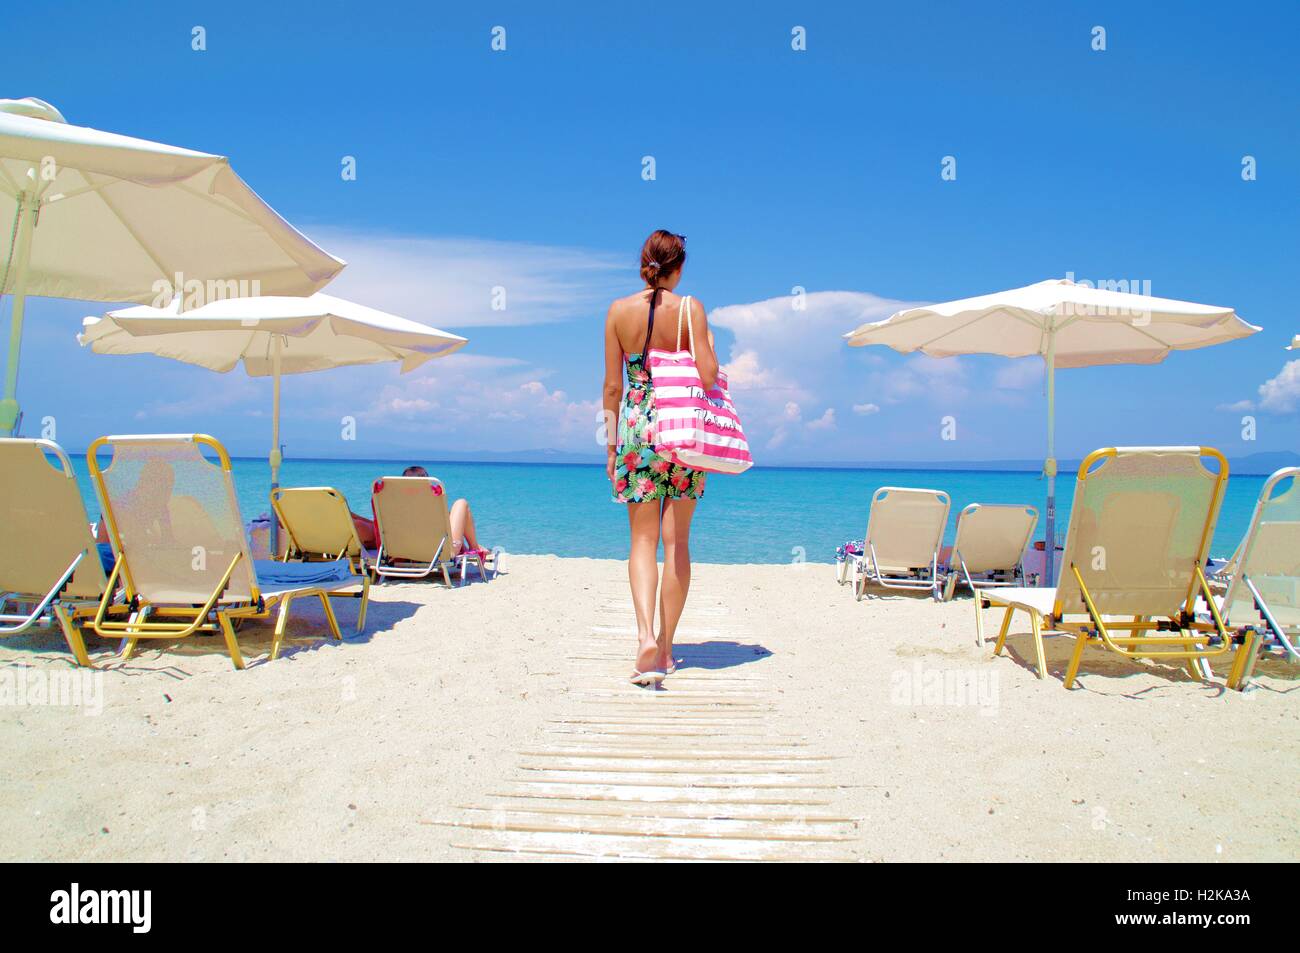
(662, 254)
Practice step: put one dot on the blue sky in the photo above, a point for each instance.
(818, 169)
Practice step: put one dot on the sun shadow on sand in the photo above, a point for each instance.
(1103, 673)
(717, 655)
(306, 632)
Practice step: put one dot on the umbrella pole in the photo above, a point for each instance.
(1049, 467)
(23, 253)
(275, 440)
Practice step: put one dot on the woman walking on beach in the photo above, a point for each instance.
(660, 495)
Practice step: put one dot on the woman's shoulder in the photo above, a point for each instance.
(635, 303)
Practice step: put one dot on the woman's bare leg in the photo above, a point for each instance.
(643, 574)
(462, 526)
(677, 573)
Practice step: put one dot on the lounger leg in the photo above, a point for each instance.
(979, 620)
(329, 615)
(365, 601)
(1080, 641)
(1002, 633)
(281, 620)
(232, 644)
(1194, 669)
(1036, 621)
(127, 648)
(950, 588)
(72, 635)
(1245, 652)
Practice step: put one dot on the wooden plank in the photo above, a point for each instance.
(721, 719)
(596, 846)
(727, 779)
(687, 809)
(733, 733)
(710, 829)
(713, 768)
(661, 793)
(640, 753)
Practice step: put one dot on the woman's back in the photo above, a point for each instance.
(631, 317)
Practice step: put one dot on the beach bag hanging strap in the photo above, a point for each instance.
(694, 427)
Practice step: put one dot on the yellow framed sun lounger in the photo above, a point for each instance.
(49, 559)
(901, 547)
(1262, 602)
(180, 547)
(1132, 568)
(319, 526)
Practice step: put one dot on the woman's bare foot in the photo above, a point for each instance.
(666, 661)
(647, 657)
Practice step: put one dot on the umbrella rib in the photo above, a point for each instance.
(162, 269)
(1164, 344)
(208, 197)
(975, 320)
(63, 196)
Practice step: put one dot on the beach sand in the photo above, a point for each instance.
(390, 745)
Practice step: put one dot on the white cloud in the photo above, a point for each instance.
(784, 359)
(938, 380)
(1019, 374)
(1239, 407)
(864, 410)
(825, 422)
(450, 283)
(475, 402)
(1281, 394)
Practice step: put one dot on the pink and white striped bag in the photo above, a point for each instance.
(694, 427)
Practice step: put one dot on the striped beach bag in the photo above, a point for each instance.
(694, 427)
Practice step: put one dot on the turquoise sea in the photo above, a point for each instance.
(768, 515)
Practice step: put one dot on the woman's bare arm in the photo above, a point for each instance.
(705, 357)
(613, 390)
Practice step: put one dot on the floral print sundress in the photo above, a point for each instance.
(640, 474)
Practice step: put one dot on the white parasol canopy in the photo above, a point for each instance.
(270, 336)
(1068, 324)
(97, 216)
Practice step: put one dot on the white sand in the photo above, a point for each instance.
(353, 751)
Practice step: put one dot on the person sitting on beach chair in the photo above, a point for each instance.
(463, 536)
(419, 535)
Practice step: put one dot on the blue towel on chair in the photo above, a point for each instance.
(106, 557)
(273, 575)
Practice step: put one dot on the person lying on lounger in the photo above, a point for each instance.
(463, 536)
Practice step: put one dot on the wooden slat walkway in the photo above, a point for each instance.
(699, 770)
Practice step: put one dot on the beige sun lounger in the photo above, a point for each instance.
(49, 559)
(181, 551)
(989, 548)
(414, 526)
(319, 526)
(1140, 525)
(1262, 602)
(904, 532)
(318, 523)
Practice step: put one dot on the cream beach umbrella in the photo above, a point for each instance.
(270, 336)
(1295, 344)
(1067, 324)
(96, 216)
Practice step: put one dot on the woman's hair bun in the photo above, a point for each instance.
(662, 254)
